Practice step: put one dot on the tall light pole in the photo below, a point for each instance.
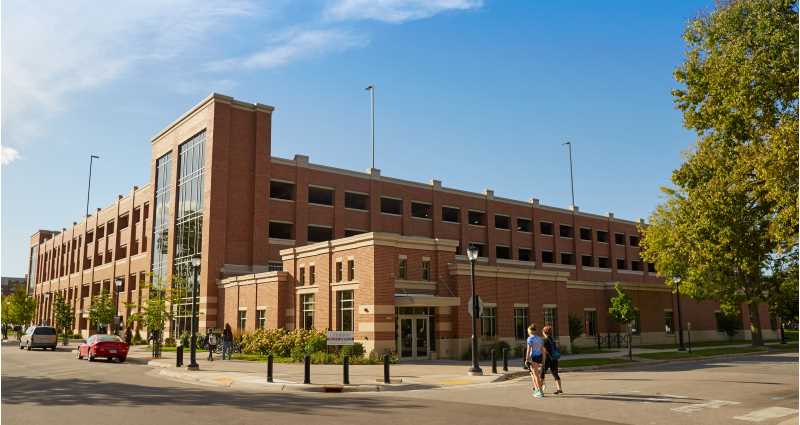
(89, 188)
(371, 90)
(571, 179)
(193, 344)
(677, 281)
(118, 282)
(472, 254)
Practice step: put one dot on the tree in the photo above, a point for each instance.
(729, 323)
(622, 311)
(730, 222)
(101, 312)
(64, 315)
(20, 308)
(575, 326)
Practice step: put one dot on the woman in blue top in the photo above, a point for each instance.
(533, 354)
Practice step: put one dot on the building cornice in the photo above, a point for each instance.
(507, 271)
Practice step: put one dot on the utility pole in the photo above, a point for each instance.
(371, 90)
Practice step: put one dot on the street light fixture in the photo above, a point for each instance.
(118, 282)
(193, 344)
(677, 281)
(472, 254)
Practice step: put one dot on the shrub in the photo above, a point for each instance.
(283, 343)
(355, 351)
(169, 342)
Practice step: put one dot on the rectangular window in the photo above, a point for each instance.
(123, 222)
(521, 323)
(476, 218)
(402, 268)
(421, 210)
(242, 320)
(274, 266)
(356, 201)
(602, 236)
(619, 238)
(279, 230)
(426, 270)
(100, 232)
(547, 256)
(480, 247)
(551, 319)
(320, 195)
(261, 319)
(489, 321)
(110, 228)
(637, 322)
(602, 262)
(586, 234)
(339, 271)
(319, 233)
(302, 275)
(312, 275)
(351, 269)
(523, 225)
(634, 240)
(450, 214)
(651, 268)
(391, 206)
(281, 190)
(307, 306)
(565, 231)
(567, 258)
(590, 322)
(669, 322)
(545, 228)
(353, 232)
(344, 305)
(636, 265)
(621, 264)
(525, 254)
(502, 221)
(587, 261)
(503, 252)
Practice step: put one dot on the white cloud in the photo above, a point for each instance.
(8, 155)
(292, 46)
(394, 11)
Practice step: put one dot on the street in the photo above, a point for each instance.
(42, 387)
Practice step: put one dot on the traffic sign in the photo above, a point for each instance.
(470, 309)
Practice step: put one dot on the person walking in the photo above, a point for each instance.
(533, 355)
(5, 332)
(211, 341)
(128, 335)
(551, 354)
(227, 341)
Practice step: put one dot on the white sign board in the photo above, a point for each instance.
(470, 309)
(340, 337)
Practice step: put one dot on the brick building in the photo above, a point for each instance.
(288, 243)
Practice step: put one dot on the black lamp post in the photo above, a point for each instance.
(677, 281)
(118, 282)
(193, 344)
(472, 254)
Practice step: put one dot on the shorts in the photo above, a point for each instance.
(536, 359)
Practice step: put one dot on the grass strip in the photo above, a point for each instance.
(590, 362)
(701, 353)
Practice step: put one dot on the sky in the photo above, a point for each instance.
(476, 93)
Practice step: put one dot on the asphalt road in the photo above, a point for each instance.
(41, 387)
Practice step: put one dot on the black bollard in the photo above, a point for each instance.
(307, 369)
(494, 361)
(269, 368)
(346, 370)
(505, 359)
(179, 356)
(386, 379)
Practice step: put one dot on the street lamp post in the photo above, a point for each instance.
(193, 343)
(118, 282)
(472, 254)
(46, 309)
(371, 90)
(89, 188)
(677, 281)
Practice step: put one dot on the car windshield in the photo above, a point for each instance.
(108, 338)
(44, 331)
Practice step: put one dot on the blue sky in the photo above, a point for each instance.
(478, 94)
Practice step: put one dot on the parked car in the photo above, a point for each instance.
(39, 337)
(101, 345)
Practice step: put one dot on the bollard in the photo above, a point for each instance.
(505, 359)
(346, 370)
(306, 369)
(269, 368)
(386, 379)
(179, 356)
(494, 361)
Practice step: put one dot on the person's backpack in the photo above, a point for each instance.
(212, 339)
(556, 354)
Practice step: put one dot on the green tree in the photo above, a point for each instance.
(730, 222)
(575, 327)
(622, 311)
(20, 308)
(64, 315)
(101, 311)
(729, 323)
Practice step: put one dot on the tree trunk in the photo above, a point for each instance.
(630, 344)
(755, 324)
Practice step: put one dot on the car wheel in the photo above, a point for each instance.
(109, 358)
(122, 359)
(91, 356)
(21, 347)
(28, 347)
(80, 357)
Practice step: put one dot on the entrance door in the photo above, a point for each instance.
(414, 337)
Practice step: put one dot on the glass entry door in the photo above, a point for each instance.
(414, 337)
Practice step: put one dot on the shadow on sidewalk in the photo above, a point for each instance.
(642, 398)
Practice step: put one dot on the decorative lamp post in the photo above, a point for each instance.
(677, 281)
(46, 309)
(118, 282)
(193, 343)
(472, 254)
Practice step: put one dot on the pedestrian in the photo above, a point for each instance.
(227, 341)
(5, 332)
(128, 335)
(551, 356)
(533, 354)
(211, 340)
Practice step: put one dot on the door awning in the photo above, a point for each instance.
(424, 300)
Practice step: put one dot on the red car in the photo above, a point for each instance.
(108, 346)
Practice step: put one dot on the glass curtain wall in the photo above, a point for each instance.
(163, 193)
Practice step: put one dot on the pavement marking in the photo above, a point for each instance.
(777, 398)
(711, 404)
(766, 414)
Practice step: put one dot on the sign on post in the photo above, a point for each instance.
(340, 337)
(470, 308)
